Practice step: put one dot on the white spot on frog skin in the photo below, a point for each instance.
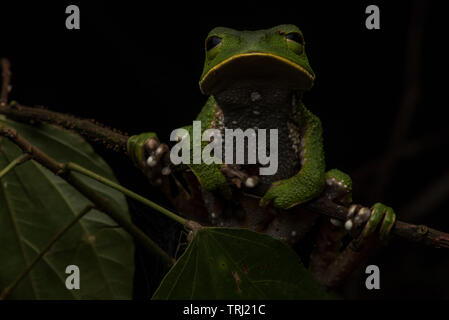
(336, 222)
(333, 181)
(159, 150)
(362, 215)
(255, 96)
(256, 112)
(293, 134)
(151, 161)
(166, 171)
(348, 225)
(293, 233)
(351, 211)
(250, 182)
(152, 143)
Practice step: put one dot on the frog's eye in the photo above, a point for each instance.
(295, 42)
(296, 37)
(212, 42)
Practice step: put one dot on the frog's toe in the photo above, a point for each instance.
(366, 221)
(380, 215)
(357, 218)
(387, 223)
(157, 158)
(151, 144)
(137, 149)
(154, 152)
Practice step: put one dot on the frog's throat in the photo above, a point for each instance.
(258, 62)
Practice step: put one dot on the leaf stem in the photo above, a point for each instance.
(129, 193)
(108, 208)
(20, 159)
(5, 293)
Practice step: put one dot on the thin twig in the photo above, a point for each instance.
(17, 161)
(7, 291)
(415, 233)
(75, 167)
(90, 129)
(6, 81)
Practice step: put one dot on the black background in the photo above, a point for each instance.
(136, 67)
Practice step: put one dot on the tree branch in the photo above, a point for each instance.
(414, 233)
(111, 138)
(90, 129)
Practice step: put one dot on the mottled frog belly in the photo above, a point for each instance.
(288, 142)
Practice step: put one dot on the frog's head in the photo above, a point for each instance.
(276, 55)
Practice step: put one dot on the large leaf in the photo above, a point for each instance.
(35, 204)
(230, 263)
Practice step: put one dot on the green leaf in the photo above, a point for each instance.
(35, 204)
(231, 263)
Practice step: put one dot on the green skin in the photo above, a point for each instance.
(278, 46)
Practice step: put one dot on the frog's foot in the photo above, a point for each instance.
(364, 222)
(151, 156)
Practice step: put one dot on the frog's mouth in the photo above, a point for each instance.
(256, 66)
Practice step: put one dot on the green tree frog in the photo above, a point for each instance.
(256, 79)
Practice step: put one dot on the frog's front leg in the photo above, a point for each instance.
(309, 182)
